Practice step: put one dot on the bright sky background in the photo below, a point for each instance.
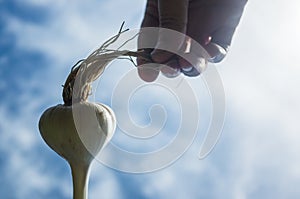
(256, 157)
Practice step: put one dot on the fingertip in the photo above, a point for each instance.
(170, 72)
(148, 73)
(171, 69)
(191, 70)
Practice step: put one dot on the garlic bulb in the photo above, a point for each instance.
(78, 133)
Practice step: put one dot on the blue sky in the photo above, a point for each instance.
(256, 156)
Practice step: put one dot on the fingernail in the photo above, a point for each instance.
(190, 72)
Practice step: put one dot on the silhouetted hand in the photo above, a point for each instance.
(211, 23)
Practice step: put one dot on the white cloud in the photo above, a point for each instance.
(75, 29)
(103, 184)
(261, 79)
(259, 146)
(17, 141)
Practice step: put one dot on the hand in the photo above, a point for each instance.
(211, 23)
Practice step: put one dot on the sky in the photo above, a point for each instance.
(255, 157)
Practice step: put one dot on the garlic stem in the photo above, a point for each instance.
(80, 177)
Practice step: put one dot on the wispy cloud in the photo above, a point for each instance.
(73, 30)
(257, 155)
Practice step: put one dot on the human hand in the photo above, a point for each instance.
(211, 23)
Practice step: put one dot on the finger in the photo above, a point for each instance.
(170, 72)
(161, 56)
(172, 16)
(216, 52)
(191, 55)
(194, 61)
(218, 21)
(169, 63)
(151, 17)
(192, 70)
(171, 68)
(226, 21)
(147, 38)
(148, 71)
(190, 62)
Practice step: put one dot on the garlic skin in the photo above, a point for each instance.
(77, 132)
